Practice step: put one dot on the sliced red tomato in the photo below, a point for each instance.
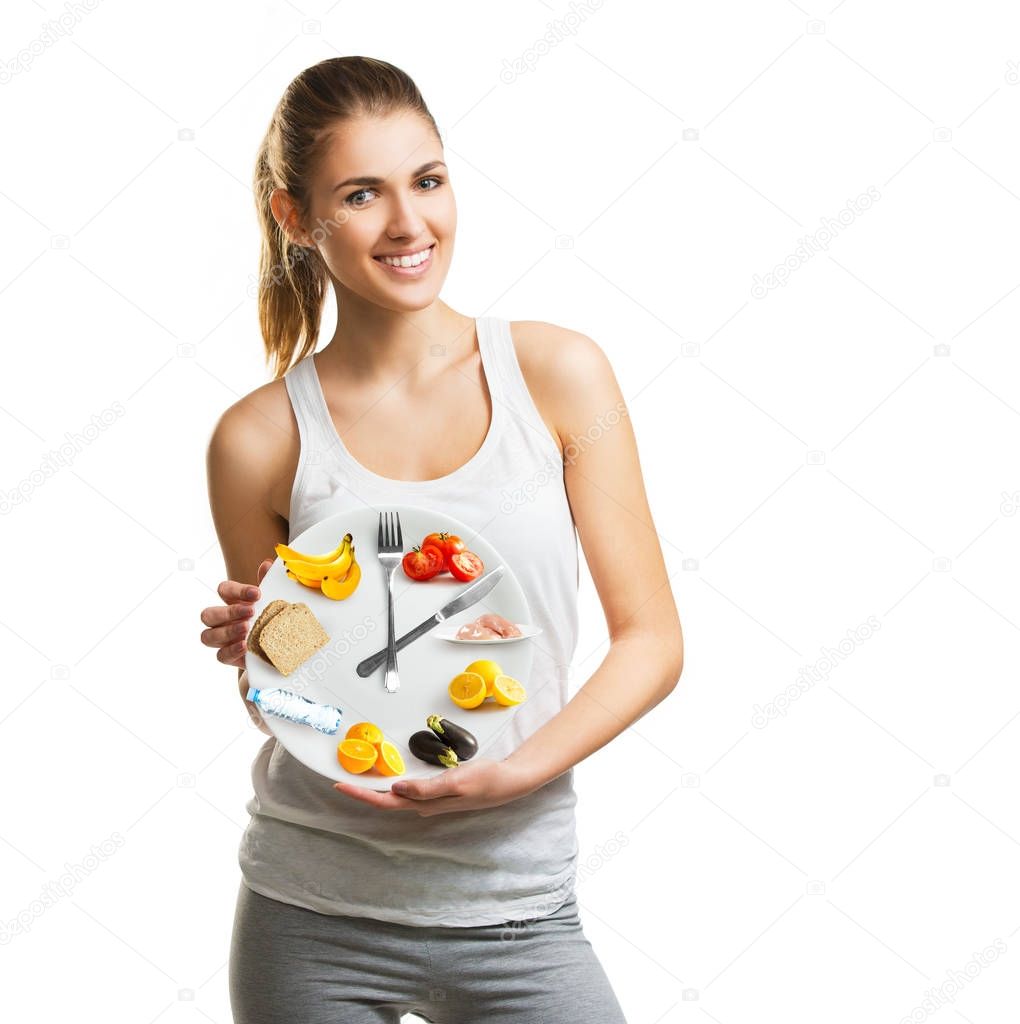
(422, 563)
(435, 555)
(439, 539)
(466, 565)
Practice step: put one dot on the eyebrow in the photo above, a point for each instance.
(382, 181)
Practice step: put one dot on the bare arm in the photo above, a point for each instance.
(573, 378)
(240, 477)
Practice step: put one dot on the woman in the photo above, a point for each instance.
(451, 896)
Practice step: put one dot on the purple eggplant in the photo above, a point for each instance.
(427, 746)
(463, 743)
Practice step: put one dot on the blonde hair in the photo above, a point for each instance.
(293, 279)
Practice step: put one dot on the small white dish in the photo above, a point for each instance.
(449, 633)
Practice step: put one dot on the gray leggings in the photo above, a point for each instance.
(289, 965)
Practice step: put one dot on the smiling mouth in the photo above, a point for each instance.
(407, 262)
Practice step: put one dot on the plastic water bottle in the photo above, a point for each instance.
(295, 708)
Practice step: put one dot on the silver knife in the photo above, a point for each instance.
(467, 597)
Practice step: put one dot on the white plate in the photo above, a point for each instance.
(357, 629)
(448, 633)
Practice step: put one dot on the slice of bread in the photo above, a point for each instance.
(292, 636)
(259, 624)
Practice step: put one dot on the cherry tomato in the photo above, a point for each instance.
(423, 562)
(466, 565)
(454, 545)
(448, 543)
(439, 539)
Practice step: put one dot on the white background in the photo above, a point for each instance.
(837, 447)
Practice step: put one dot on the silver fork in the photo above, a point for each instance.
(391, 553)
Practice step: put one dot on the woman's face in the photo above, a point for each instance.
(382, 189)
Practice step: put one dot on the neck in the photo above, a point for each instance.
(373, 343)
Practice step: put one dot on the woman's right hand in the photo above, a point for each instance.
(229, 622)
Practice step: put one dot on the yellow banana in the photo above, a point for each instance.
(338, 589)
(289, 554)
(338, 568)
(314, 584)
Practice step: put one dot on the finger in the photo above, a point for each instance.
(231, 591)
(222, 636)
(425, 789)
(233, 656)
(264, 568)
(370, 796)
(222, 614)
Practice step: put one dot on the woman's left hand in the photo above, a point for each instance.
(468, 786)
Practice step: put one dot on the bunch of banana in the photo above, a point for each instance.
(336, 573)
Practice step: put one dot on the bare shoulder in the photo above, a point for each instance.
(259, 434)
(262, 419)
(567, 373)
(549, 347)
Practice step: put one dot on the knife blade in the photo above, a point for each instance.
(468, 596)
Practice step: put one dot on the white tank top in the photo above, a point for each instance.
(309, 845)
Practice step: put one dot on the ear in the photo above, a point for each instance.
(286, 215)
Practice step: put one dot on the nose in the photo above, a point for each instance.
(404, 220)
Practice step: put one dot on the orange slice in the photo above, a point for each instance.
(467, 689)
(508, 690)
(488, 670)
(367, 731)
(356, 756)
(390, 762)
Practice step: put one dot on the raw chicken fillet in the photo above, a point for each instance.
(488, 627)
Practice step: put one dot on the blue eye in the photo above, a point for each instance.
(350, 199)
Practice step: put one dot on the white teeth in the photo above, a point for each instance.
(406, 261)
